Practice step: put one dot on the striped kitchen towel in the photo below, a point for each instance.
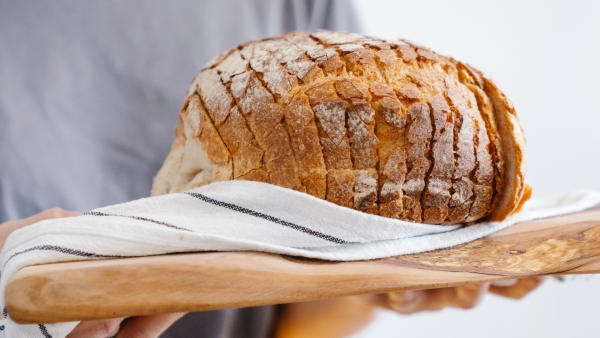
(234, 216)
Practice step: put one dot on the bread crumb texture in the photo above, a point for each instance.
(382, 126)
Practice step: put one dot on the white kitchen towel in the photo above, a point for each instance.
(234, 216)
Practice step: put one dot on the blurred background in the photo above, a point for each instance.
(544, 55)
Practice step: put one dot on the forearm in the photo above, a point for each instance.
(328, 318)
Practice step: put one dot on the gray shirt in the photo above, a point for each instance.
(90, 93)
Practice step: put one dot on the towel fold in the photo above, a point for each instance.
(237, 216)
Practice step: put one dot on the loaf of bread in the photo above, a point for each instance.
(386, 127)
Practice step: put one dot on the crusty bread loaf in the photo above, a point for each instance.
(382, 126)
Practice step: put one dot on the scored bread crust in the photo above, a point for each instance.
(515, 153)
(386, 127)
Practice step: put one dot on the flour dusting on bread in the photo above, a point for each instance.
(383, 126)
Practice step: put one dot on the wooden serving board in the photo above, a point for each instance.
(216, 280)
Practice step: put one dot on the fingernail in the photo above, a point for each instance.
(505, 283)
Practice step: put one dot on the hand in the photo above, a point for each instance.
(147, 327)
(464, 297)
(339, 317)
(7, 228)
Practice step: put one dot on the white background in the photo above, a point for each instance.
(545, 55)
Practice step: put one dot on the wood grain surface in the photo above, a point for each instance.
(88, 290)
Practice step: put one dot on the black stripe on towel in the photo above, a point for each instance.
(96, 213)
(267, 217)
(62, 250)
(44, 331)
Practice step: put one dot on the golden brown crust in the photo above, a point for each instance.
(514, 153)
(382, 126)
(301, 126)
(437, 195)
